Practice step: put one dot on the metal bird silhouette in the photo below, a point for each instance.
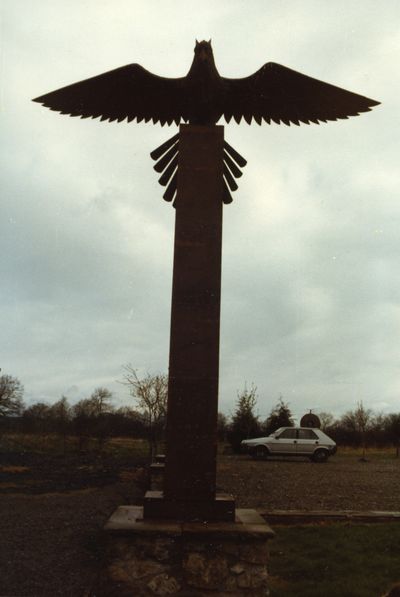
(274, 93)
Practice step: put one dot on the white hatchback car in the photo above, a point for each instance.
(292, 441)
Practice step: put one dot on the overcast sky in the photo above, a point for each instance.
(310, 285)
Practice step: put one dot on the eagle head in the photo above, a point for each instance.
(203, 51)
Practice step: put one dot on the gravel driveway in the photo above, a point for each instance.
(342, 483)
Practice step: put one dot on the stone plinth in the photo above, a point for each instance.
(156, 557)
(219, 509)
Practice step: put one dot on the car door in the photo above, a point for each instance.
(307, 441)
(286, 442)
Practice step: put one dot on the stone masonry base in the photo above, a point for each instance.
(155, 557)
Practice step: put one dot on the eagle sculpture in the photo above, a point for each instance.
(274, 93)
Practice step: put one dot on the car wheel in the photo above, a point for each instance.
(260, 453)
(320, 456)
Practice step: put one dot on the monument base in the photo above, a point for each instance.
(156, 557)
(221, 508)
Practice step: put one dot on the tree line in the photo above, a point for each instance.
(358, 427)
(93, 417)
(97, 417)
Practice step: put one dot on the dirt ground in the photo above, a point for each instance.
(52, 510)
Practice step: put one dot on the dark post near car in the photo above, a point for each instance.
(199, 170)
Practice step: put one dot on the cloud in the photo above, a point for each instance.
(310, 299)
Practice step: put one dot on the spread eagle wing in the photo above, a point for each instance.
(126, 92)
(281, 94)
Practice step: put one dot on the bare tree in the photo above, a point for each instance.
(82, 413)
(90, 417)
(326, 419)
(101, 401)
(60, 413)
(362, 418)
(36, 418)
(222, 427)
(393, 426)
(151, 393)
(11, 392)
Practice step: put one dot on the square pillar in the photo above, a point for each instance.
(191, 448)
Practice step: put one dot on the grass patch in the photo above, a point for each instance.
(51, 443)
(372, 453)
(14, 469)
(126, 446)
(334, 560)
(37, 443)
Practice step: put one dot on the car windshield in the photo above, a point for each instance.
(277, 432)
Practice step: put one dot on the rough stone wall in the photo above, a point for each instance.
(184, 565)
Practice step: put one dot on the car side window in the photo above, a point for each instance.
(288, 434)
(307, 434)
